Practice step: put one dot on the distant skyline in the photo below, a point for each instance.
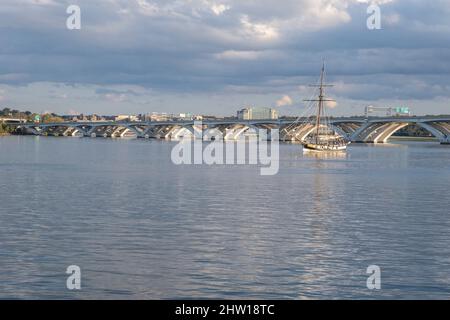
(218, 56)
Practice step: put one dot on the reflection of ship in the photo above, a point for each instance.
(323, 138)
(329, 155)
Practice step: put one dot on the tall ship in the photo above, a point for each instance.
(323, 138)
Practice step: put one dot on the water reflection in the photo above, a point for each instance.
(141, 227)
(325, 155)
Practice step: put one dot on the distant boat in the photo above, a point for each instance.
(323, 138)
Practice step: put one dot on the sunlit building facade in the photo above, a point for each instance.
(257, 113)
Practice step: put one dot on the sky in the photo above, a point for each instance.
(217, 56)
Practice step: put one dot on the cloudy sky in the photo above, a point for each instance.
(216, 56)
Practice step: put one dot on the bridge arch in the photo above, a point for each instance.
(252, 129)
(380, 132)
(440, 131)
(391, 129)
(192, 131)
(213, 133)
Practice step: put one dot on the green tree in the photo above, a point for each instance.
(4, 129)
(51, 118)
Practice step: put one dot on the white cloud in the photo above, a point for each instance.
(219, 9)
(148, 8)
(378, 2)
(284, 101)
(42, 2)
(262, 31)
(114, 97)
(238, 55)
(331, 104)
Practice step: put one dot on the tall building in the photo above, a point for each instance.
(257, 113)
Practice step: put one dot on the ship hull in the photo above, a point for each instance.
(324, 148)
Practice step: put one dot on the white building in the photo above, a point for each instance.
(257, 113)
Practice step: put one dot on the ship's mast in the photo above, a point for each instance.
(320, 103)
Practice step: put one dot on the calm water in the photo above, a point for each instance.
(141, 227)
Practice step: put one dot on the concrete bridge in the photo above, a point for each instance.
(372, 130)
(12, 120)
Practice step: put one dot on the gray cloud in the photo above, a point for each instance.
(246, 48)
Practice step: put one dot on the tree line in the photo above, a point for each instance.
(29, 116)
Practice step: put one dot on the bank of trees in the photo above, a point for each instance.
(51, 118)
(413, 130)
(13, 113)
(29, 116)
(4, 129)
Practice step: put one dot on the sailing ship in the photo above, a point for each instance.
(324, 138)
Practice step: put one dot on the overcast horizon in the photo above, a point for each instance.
(215, 57)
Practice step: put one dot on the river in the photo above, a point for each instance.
(141, 227)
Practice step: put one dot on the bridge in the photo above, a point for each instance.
(364, 130)
(12, 120)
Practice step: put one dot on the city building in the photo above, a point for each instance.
(83, 118)
(185, 116)
(162, 116)
(156, 116)
(257, 113)
(126, 117)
